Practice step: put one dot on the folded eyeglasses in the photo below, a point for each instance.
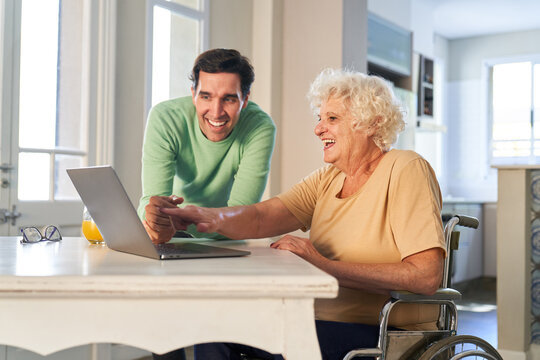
(31, 234)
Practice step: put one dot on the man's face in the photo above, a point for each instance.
(218, 101)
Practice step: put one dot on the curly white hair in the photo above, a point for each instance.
(368, 98)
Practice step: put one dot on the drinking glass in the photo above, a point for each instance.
(90, 229)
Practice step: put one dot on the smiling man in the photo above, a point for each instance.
(212, 149)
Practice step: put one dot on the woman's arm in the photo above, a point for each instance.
(419, 273)
(264, 219)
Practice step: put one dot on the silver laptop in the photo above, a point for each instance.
(109, 205)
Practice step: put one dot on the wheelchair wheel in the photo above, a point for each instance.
(461, 347)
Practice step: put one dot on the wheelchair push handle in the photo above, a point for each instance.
(467, 221)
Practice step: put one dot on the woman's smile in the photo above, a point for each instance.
(328, 143)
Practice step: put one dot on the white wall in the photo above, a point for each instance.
(422, 27)
(466, 55)
(312, 34)
(231, 23)
(440, 54)
(355, 35)
(396, 11)
(266, 91)
(469, 173)
(130, 111)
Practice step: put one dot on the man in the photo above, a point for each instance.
(213, 148)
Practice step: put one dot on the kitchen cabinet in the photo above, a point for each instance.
(389, 47)
(468, 260)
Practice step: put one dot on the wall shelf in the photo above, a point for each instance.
(425, 87)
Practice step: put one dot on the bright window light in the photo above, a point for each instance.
(161, 57)
(38, 73)
(176, 43)
(515, 130)
(34, 176)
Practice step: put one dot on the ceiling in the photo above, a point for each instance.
(455, 19)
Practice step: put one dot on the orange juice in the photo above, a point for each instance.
(91, 232)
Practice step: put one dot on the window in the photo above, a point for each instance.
(178, 34)
(515, 112)
(54, 100)
(57, 105)
(50, 136)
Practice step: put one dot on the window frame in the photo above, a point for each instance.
(99, 22)
(201, 15)
(488, 76)
(97, 84)
(99, 37)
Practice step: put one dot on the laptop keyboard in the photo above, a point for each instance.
(171, 248)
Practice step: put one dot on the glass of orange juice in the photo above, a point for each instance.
(90, 229)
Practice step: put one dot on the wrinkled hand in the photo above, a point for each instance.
(158, 225)
(301, 247)
(206, 219)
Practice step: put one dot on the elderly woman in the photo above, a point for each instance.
(374, 215)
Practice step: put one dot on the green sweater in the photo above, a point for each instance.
(178, 159)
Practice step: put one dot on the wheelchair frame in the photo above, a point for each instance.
(443, 343)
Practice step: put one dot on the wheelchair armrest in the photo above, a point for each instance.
(440, 294)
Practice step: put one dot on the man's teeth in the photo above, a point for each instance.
(328, 141)
(217, 123)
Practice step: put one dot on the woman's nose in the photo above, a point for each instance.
(320, 128)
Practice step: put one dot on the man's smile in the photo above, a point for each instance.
(218, 123)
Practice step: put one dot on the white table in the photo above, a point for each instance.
(54, 296)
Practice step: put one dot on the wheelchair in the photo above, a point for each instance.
(440, 344)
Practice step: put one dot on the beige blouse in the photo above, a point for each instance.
(395, 214)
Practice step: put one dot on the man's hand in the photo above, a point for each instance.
(158, 225)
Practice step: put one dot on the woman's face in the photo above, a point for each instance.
(342, 144)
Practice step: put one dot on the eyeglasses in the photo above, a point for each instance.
(33, 235)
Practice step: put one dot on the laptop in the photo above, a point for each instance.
(109, 205)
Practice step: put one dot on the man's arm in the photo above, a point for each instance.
(158, 159)
(158, 169)
(250, 180)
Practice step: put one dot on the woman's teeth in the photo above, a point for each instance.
(327, 142)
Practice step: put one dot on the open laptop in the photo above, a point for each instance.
(109, 205)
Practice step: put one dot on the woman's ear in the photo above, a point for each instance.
(374, 125)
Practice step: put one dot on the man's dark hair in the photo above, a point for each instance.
(224, 60)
